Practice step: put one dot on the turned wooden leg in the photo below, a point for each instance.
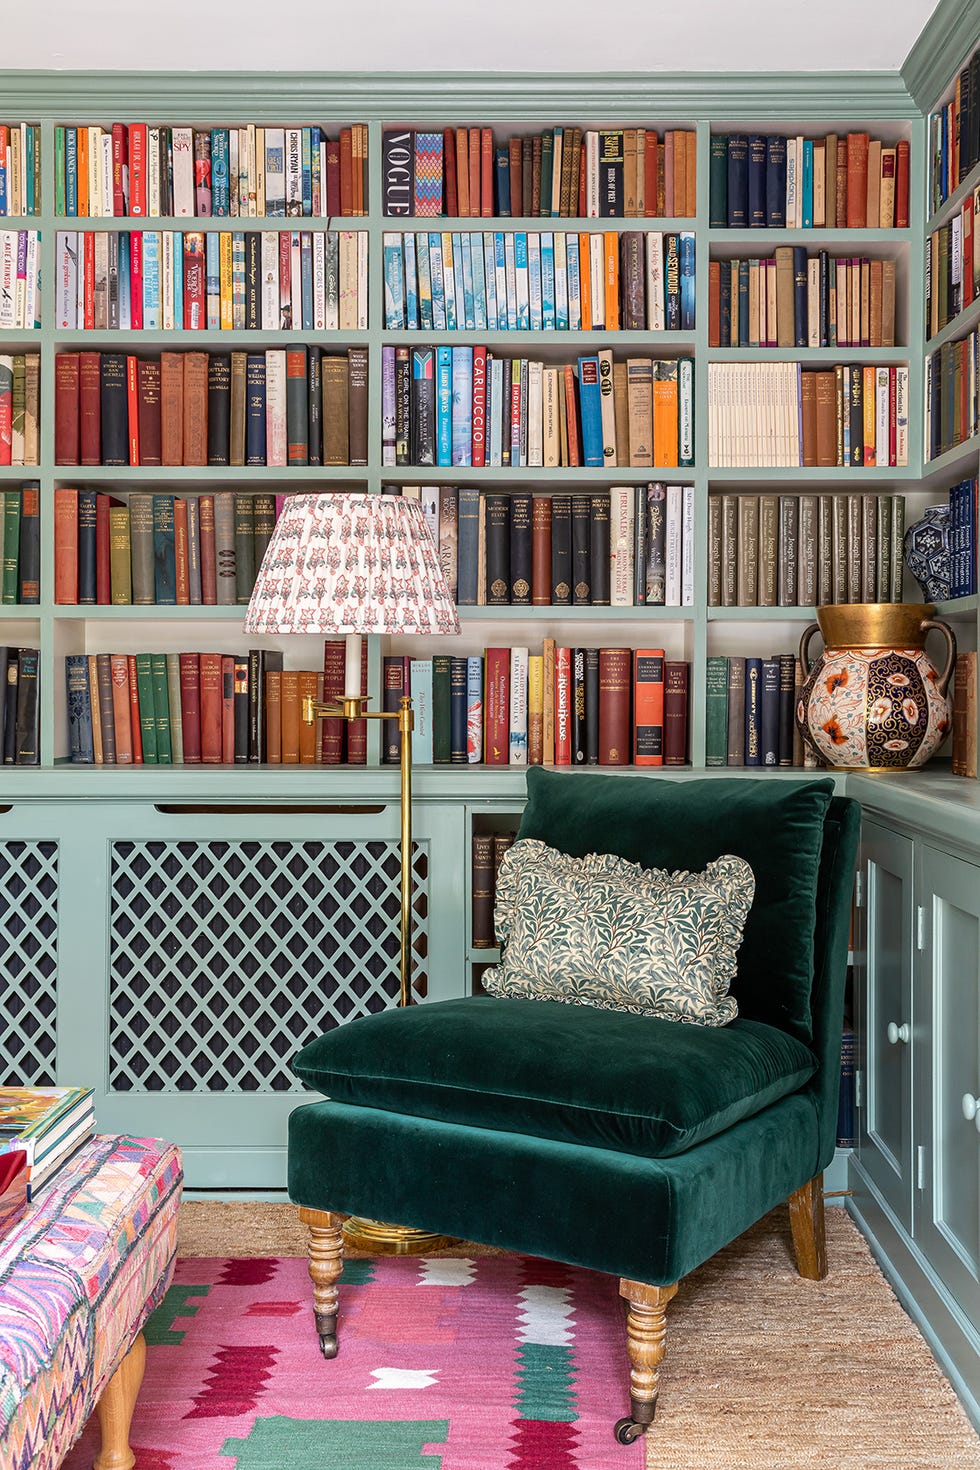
(809, 1235)
(646, 1334)
(326, 1264)
(115, 1409)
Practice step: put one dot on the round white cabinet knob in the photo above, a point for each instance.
(897, 1033)
(971, 1109)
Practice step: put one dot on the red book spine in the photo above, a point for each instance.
(714, 303)
(582, 206)
(648, 707)
(136, 729)
(571, 414)
(65, 412)
(227, 708)
(66, 546)
(857, 180)
(496, 725)
(357, 729)
(209, 567)
(137, 168)
(669, 174)
(479, 407)
(133, 409)
(649, 173)
(333, 179)
(516, 177)
(615, 677)
(449, 167)
(88, 270)
(211, 709)
(119, 673)
(332, 735)
(119, 163)
(675, 714)
(103, 591)
(902, 184)
(486, 173)
(136, 280)
(90, 407)
(892, 416)
(966, 267)
(474, 163)
(190, 707)
(563, 706)
(181, 560)
(346, 173)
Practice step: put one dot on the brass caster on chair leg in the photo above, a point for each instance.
(326, 1326)
(627, 1430)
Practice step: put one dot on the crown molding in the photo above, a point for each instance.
(949, 38)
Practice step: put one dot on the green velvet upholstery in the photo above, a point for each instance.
(640, 1084)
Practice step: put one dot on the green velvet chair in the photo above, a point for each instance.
(625, 1144)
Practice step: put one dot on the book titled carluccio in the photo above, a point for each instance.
(46, 1123)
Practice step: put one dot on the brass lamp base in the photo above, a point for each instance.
(391, 1240)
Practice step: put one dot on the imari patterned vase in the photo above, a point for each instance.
(874, 701)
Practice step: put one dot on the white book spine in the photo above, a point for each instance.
(295, 280)
(597, 280)
(672, 546)
(535, 414)
(956, 264)
(687, 546)
(270, 280)
(592, 175)
(8, 278)
(813, 302)
(656, 314)
(902, 415)
(94, 172)
(607, 407)
(153, 173)
(362, 280)
(791, 183)
(574, 259)
(685, 405)
(67, 257)
(105, 173)
(501, 278)
(319, 281)
(183, 146)
(31, 293)
(167, 279)
(348, 280)
(621, 550)
(518, 706)
(561, 283)
(495, 383)
(882, 415)
(490, 276)
(275, 406)
(331, 248)
(429, 501)
(510, 269)
(294, 171)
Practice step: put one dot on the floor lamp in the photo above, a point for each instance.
(356, 564)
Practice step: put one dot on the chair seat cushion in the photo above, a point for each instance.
(606, 1079)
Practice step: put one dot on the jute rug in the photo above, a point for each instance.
(764, 1371)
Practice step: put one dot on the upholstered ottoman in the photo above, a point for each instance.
(79, 1275)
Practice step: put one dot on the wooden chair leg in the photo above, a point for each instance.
(646, 1334)
(326, 1263)
(809, 1234)
(115, 1409)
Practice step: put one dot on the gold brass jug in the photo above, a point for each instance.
(874, 701)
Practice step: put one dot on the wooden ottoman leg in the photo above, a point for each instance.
(326, 1264)
(809, 1232)
(115, 1409)
(646, 1334)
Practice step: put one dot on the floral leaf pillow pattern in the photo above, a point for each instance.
(604, 932)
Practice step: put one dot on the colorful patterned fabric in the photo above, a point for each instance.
(601, 931)
(498, 1363)
(78, 1277)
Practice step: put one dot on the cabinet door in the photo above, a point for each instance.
(884, 1003)
(948, 1048)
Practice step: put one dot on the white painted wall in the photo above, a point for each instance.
(453, 35)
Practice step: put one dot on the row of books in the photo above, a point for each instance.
(20, 274)
(850, 182)
(953, 265)
(252, 171)
(778, 414)
(161, 550)
(562, 706)
(804, 550)
(631, 173)
(468, 406)
(19, 706)
(964, 741)
(20, 169)
(800, 300)
(548, 281)
(294, 406)
(486, 854)
(954, 135)
(189, 709)
(951, 394)
(963, 540)
(20, 402)
(229, 280)
(20, 546)
(46, 1125)
(750, 706)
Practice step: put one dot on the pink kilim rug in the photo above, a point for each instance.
(498, 1363)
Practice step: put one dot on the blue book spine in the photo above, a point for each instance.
(462, 396)
(479, 282)
(438, 286)
(548, 281)
(220, 201)
(501, 172)
(86, 547)
(490, 276)
(687, 261)
(753, 711)
(164, 563)
(394, 281)
(468, 543)
(800, 296)
(71, 173)
(466, 258)
(425, 283)
(973, 535)
(212, 267)
(769, 713)
(255, 408)
(738, 181)
(495, 415)
(125, 283)
(474, 710)
(459, 287)
(151, 281)
(317, 200)
(306, 165)
(449, 280)
(500, 279)
(776, 182)
(81, 747)
(178, 281)
(807, 183)
(520, 270)
(411, 283)
(574, 284)
(756, 179)
(510, 275)
(590, 411)
(956, 540)
(535, 243)
(444, 405)
(457, 710)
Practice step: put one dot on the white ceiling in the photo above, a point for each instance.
(447, 35)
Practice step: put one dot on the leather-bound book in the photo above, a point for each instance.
(357, 358)
(589, 705)
(869, 548)
(211, 708)
(244, 523)
(209, 579)
(561, 550)
(648, 707)
(458, 753)
(314, 409)
(290, 716)
(240, 708)
(236, 444)
(255, 409)
(747, 575)
(806, 591)
(65, 546)
(767, 588)
(120, 557)
(90, 408)
(145, 708)
(115, 412)
(29, 547)
(66, 424)
(787, 707)
(219, 407)
(336, 431)
(496, 704)
(857, 181)
(27, 717)
(87, 547)
(498, 549)
(482, 890)
(141, 542)
(297, 407)
(615, 689)
(599, 549)
(107, 725)
(965, 716)
(788, 544)
(121, 711)
(825, 417)
(307, 687)
(182, 585)
(148, 411)
(735, 742)
(785, 297)
(273, 717)
(855, 522)
(521, 549)
(263, 525)
(357, 729)
(541, 551)
(769, 713)
(392, 689)
(171, 408)
(808, 405)
(224, 547)
(164, 557)
(332, 729)
(581, 551)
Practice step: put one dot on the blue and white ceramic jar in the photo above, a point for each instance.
(927, 554)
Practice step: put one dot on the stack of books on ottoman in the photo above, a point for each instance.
(40, 1128)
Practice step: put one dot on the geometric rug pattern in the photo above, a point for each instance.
(444, 1363)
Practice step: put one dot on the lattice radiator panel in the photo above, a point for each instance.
(226, 957)
(28, 963)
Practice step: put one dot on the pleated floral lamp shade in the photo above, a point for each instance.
(351, 564)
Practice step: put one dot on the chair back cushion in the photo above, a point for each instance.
(775, 824)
